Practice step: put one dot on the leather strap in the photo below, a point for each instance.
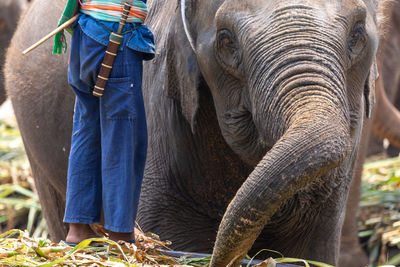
(111, 53)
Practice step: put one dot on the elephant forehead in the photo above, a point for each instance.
(323, 10)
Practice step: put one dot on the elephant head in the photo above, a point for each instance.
(291, 82)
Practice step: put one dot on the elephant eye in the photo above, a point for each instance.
(357, 40)
(225, 39)
(227, 52)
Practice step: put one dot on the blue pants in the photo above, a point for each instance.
(109, 139)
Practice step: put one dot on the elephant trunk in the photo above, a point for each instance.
(299, 106)
(315, 142)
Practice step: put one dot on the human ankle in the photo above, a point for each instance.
(78, 232)
(116, 236)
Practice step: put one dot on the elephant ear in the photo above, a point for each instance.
(369, 89)
(182, 71)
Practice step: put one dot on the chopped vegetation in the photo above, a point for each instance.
(18, 249)
(379, 211)
(379, 221)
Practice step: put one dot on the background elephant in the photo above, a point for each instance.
(389, 67)
(385, 123)
(10, 11)
(43, 105)
(255, 104)
(390, 72)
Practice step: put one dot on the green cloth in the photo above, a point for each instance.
(60, 43)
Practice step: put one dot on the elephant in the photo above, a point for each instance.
(390, 72)
(385, 123)
(390, 69)
(255, 110)
(10, 11)
(38, 88)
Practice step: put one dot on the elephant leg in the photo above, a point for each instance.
(386, 123)
(375, 146)
(52, 202)
(351, 253)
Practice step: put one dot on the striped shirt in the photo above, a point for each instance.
(111, 10)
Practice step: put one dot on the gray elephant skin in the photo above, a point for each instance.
(254, 109)
(10, 11)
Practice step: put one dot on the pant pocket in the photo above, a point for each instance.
(118, 100)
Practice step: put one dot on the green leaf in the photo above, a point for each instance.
(24, 203)
(41, 253)
(42, 242)
(320, 264)
(120, 261)
(374, 254)
(6, 190)
(292, 260)
(31, 218)
(11, 233)
(306, 262)
(196, 261)
(366, 233)
(394, 260)
(25, 192)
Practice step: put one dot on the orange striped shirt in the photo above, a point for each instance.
(111, 10)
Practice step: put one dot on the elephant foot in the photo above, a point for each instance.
(351, 255)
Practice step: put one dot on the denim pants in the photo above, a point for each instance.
(109, 139)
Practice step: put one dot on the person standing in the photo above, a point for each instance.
(109, 138)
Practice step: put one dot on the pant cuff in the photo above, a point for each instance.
(119, 229)
(81, 220)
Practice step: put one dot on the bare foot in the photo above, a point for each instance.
(78, 232)
(115, 236)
